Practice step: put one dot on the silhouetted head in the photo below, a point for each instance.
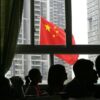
(57, 75)
(16, 81)
(83, 70)
(97, 65)
(35, 76)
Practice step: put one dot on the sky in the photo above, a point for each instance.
(79, 22)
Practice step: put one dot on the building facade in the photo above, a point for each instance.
(93, 24)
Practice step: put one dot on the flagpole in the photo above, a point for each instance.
(51, 59)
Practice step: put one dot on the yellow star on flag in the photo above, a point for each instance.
(57, 31)
(53, 35)
(47, 27)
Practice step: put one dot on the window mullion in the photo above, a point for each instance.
(75, 49)
(32, 23)
(68, 19)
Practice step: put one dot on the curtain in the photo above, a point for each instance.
(11, 15)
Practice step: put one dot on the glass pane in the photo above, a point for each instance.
(48, 29)
(86, 21)
(24, 34)
(53, 11)
(23, 63)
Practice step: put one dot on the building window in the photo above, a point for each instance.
(90, 24)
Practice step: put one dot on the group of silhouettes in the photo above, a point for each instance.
(84, 84)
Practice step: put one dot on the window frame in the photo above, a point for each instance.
(51, 49)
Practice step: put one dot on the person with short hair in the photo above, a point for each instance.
(56, 77)
(83, 83)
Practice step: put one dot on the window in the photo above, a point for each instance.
(34, 55)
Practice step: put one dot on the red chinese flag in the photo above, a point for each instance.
(50, 34)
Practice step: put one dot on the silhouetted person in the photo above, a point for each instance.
(35, 78)
(82, 84)
(17, 87)
(97, 66)
(5, 89)
(56, 77)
